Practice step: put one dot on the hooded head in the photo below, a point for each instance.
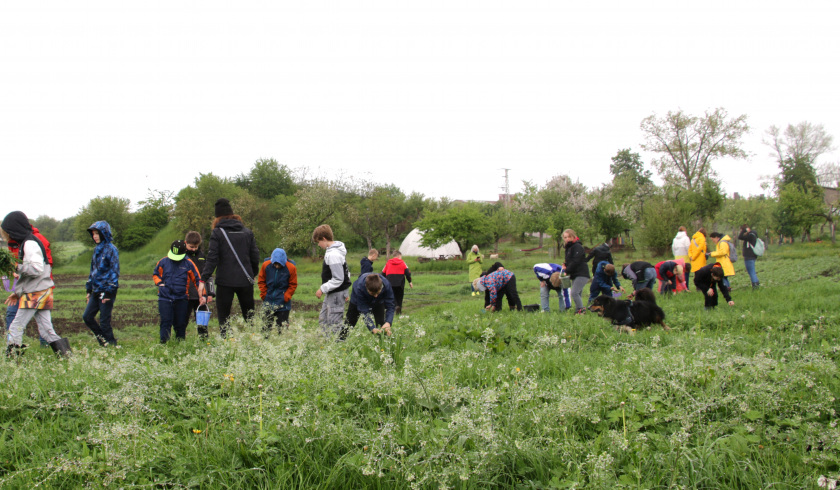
(17, 226)
(104, 230)
(278, 256)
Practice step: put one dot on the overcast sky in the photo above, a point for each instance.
(115, 98)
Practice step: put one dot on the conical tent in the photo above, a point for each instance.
(411, 247)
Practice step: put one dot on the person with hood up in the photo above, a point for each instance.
(372, 298)
(277, 282)
(335, 281)
(14, 247)
(576, 267)
(722, 255)
(474, 259)
(233, 251)
(396, 271)
(33, 293)
(102, 284)
(679, 246)
(697, 251)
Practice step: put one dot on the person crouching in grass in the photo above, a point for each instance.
(604, 282)
(277, 282)
(372, 297)
(709, 278)
(499, 283)
(173, 276)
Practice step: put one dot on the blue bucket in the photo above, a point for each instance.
(202, 318)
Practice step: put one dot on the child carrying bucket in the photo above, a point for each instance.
(173, 276)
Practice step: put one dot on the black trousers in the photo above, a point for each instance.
(224, 300)
(277, 319)
(399, 293)
(509, 291)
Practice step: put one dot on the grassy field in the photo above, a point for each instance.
(740, 397)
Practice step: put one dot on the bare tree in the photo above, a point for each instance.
(804, 140)
(688, 144)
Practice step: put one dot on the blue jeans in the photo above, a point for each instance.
(750, 266)
(175, 313)
(725, 282)
(649, 280)
(545, 291)
(102, 330)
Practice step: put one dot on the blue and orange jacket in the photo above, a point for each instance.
(105, 263)
(176, 277)
(278, 284)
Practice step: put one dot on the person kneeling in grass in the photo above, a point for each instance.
(499, 283)
(709, 278)
(373, 298)
(173, 276)
(604, 281)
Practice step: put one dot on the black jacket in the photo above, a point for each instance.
(703, 281)
(576, 260)
(200, 261)
(221, 257)
(600, 253)
(749, 239)
(367, 265)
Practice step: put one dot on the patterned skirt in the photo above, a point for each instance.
(39, 300)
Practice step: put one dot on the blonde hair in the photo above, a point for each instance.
(554, 279)
(570, 232)
(373, 253)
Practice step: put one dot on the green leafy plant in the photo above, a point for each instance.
(8, 262)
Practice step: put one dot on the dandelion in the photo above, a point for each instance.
(517, 370)
(196, 431)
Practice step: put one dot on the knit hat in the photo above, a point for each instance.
(178, 250)
(223, 207)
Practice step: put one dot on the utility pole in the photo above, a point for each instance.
(506, 188)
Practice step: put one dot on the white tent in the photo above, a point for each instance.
(411, 248)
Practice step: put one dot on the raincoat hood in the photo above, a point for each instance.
(104, 230)
(278, 256)
(17, 225)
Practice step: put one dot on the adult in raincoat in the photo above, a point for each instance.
(474, 263)
(722, 255)
(697, 251)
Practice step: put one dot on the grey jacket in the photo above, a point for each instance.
(34, 271)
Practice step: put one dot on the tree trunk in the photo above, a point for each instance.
(541, 239)
(831, 227)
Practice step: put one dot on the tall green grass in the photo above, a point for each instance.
(739, 397)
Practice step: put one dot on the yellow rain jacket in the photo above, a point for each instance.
(721, 255)
(697, 251)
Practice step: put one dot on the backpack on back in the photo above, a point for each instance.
(758, 248)
(733, 252)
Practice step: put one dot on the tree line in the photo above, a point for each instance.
(282, 206)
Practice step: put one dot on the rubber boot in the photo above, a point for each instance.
(202, 332)
(399, 310)
(61, 347)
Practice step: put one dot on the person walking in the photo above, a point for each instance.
(33, 291)
(397, 273)
(102, 284)
(234, 257)
(576, 268)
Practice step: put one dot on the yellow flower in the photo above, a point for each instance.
(196, 431)
(517, 370)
